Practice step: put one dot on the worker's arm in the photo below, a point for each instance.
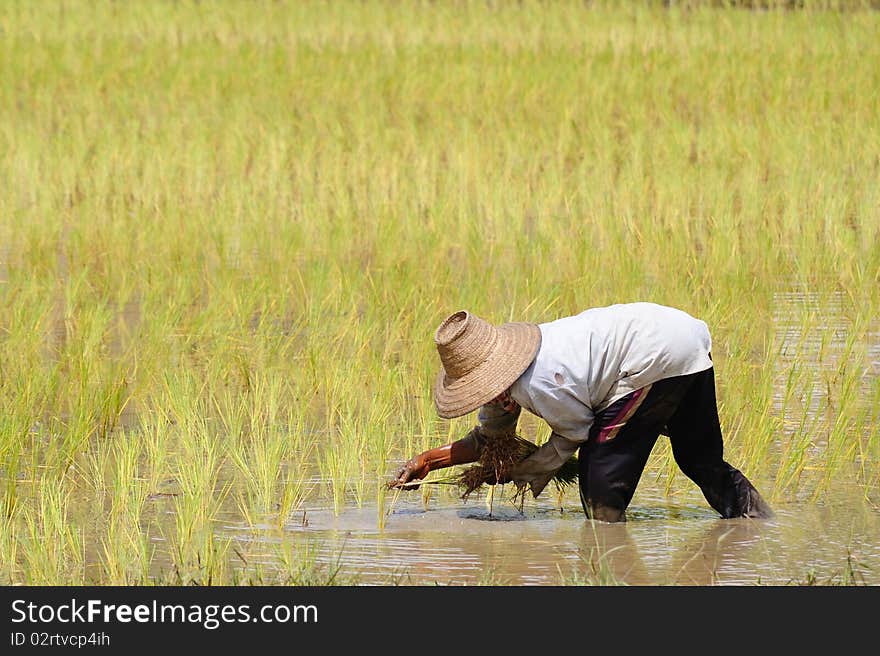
(460, 452)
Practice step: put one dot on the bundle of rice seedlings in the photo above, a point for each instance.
(501, 451)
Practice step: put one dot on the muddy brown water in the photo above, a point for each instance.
(458, 543)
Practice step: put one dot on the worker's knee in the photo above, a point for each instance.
(605, 504)
(605, 513)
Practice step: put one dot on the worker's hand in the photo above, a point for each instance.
(515, 474)
(416, 468)
(521, 480)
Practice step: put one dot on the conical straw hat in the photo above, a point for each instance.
(479, 360)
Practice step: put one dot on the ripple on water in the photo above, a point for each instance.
(661, 543)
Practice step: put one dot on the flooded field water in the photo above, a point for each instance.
(834, 541)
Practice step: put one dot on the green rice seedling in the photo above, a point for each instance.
(361, 482)
(844, 415)
(595, 569)
(202, 558)
(427, 493)
(294, 483)
(750, 422)
(259, 463)
(381, 494)
(125, 555)
(128, 488)
(9, 545)
(274, 467)
(852, 574)
(868, 463)
(336, 470)
(247, 512)
(299, 565)
(52, 548)
(156, 436)
(197, 553)
(124, 547)
(490, 576)
(200, 483)
(10, 498)
(378, 433)
(93, 466)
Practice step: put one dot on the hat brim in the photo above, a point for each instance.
(513, 352)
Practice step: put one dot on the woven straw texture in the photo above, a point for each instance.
(479, 360)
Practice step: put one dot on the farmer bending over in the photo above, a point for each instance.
(608, 381)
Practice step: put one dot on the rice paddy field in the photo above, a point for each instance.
(229, 230)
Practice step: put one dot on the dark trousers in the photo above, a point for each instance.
(623, 434)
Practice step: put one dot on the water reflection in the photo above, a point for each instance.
(699, 554)
(660, 545)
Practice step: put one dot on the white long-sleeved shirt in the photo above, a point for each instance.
(588, 361)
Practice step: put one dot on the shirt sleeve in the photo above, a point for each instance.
(538, 469)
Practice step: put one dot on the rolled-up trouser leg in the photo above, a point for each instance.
(695, 433)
